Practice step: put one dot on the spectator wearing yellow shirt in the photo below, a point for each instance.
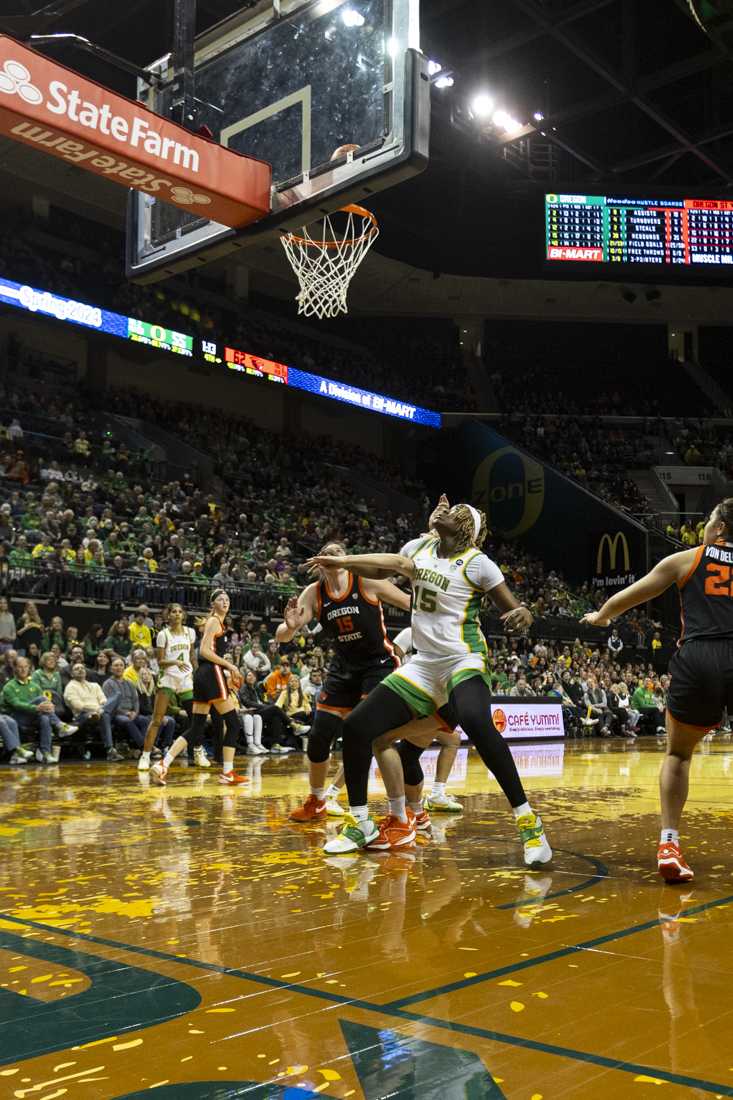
(42, 549)
(139, 632)
(150, 561)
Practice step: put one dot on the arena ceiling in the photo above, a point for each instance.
(636, 99)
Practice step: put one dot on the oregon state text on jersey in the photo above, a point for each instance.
(706, 594)
(354, 621)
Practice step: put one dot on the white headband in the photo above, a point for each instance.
(476, 520)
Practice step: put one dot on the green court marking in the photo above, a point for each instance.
(119, 999)
(394, 1010)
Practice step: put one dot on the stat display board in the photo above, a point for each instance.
(600, 229)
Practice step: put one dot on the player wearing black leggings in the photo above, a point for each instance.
(449, 577)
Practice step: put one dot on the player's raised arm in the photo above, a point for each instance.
(667, 572)
(389, 593)
(372, 566)
(298, 613)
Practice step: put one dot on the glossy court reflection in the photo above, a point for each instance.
(193, 940)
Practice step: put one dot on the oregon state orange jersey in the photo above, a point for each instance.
(706, 594)
(355, 624)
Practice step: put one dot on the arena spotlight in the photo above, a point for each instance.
(482, 105)
(445, 80)
(504, 121)
(538, 116)
(434, 67)
(352, 18)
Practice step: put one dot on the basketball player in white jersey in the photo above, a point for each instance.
(450, 577)
(175, 647)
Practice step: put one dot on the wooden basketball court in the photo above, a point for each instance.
(192, 941)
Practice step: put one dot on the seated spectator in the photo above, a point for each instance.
(521, 689)
(294, 702)
(277, 681)
(92, 644)
(644, 701)
(118, 639)
(10, 737)
(55, 635)
(91, 708)
(125, 713)
(7, 626)
(276, 736)
(614, 643)
(33, 712)
(8, 661)
(596, 702)
(139, 632)
(47, 680)
(33, 654)
(256, 661)
(100, 671)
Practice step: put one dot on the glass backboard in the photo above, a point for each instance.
(291, 82)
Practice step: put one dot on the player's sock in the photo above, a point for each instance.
(438, 789)
(361, 813)
(520, 811)
(318, 792)
(397, 808)
(168, 760)
(416, 807)
(331, 792)
(669, 836)
(227, 766)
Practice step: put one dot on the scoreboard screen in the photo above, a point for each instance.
(599, 229)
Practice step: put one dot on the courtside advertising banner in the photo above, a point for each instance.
(54, 109)
(527, 719)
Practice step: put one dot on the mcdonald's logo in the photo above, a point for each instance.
(613, 542)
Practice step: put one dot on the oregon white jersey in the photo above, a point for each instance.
(447, 594)
(177, 647)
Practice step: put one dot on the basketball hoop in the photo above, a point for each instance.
(326, 263)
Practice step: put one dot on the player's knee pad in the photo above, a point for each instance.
(410, 756)
(324, 731)
(231, 729)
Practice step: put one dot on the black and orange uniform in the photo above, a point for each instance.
(364, 654)
(209, 683)
(702, 668)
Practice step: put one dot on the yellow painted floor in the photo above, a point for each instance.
(193, 941)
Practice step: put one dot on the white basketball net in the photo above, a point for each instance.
(326, 263)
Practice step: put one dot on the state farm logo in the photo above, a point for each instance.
(186, 197)
(499, 720)
(16, 80)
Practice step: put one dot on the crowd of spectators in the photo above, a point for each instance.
(595, 455)
(605, 690)
(414, 368)
(90, 691)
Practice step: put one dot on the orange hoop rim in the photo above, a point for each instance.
(371, 229)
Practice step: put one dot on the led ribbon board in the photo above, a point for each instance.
(598, 229)
(28, 298)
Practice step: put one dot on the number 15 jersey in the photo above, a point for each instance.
(446, 600)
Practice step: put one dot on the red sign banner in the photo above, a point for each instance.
(54, 109)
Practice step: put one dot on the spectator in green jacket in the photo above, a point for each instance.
(652, 713)
(47, 679)
(118, 638)
(34, 713)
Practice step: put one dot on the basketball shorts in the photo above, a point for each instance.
(702, 682)
(426, 682)
(344, 688)
(209, 684)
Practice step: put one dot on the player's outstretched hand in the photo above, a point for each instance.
(290, 614)
(520, 618)
(323, 561)
(594, 618)
(441, 507)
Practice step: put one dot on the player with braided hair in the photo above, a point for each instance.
(450, 577)
(701, 669)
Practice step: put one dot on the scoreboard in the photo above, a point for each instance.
(598, 229)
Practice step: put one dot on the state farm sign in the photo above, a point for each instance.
(59, 112)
